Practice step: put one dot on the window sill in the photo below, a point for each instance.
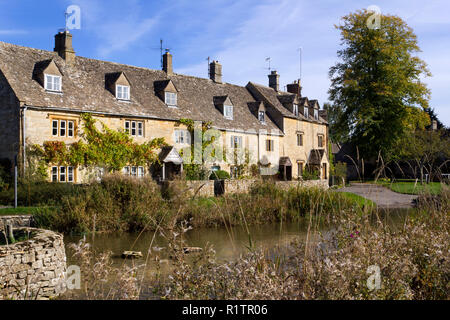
(172, 106)
(54, 92)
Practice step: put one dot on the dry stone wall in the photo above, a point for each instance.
(33, 269)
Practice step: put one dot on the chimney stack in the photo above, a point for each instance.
(167, 63)
(63, 45)
(215, 71)
(274, 80)
(295, 88)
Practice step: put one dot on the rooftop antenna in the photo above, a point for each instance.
(269, 59)
(301, 53)
(161, 50)
(209, 67)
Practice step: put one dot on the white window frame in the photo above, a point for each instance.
(295, 110)
(228, 112)
(140, 129)
(62, 174)
(70, 129)
(306, 112)
(262, 116)
(140, 172)
(52, 83)
(122, 92)
(171, 99)
(182, 136)
(55, 128)
(316, 114)
(62, 127)
(134, 171)
(55, 174)
(134, 128)
(236, 142)
(70, 174)
(127, 127)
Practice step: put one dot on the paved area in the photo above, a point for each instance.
(383, 197)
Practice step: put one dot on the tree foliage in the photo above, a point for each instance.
(377, 84)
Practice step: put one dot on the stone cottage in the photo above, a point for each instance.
(43, 93)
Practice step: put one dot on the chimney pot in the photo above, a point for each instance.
(215, 71)
(167, 63)
(63, 46)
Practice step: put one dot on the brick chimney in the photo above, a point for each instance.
(215, 71)
(274, 80)
(434, 125)
(167, 63)
(63, 45)
(295, 88)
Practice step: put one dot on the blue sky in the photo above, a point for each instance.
(240, 34)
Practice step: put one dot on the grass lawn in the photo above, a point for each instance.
(18, 211)
(361, 201)
(410, 187)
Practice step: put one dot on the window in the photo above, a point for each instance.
(70, 129)
(295, 109)
(300, 168)
(55, 127)
(69, 174)
(300, 139)
(63, 174)
(269, 145)
(320, 141)
(235, 172)
(171, 99)
(54, 174)
(182, 136)
(63, 128)
(236, 142)
(134, 128)
(136, 172)
(228, 112)
(140, 172)
(52, 83)
(261, 116)
(316, 114)
(122, 92)
(306, 112)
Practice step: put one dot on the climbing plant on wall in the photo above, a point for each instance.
(107, 148)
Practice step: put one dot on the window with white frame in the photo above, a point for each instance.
(134, 128)
(182, 136)
(122, 92)
(52, 83)
(236, 142)
(261, 116)
(134, 171)
(170, 99)
(63, 128)
(306, 112)
(295, 109)
(228, 112)
(316, 114)
(63, 174)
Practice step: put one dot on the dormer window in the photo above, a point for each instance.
(52, 83)
(228, 112)
(316, 114)
(171, 99)
(306, 112)
(122, 92)
(261, 116)
(295, 110)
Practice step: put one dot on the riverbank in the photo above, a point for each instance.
(121, 204)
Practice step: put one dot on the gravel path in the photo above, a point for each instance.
(383, 197)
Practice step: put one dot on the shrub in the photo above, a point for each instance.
(219, 175)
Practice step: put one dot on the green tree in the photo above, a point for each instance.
(377, 83)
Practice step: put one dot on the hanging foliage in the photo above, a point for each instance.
(107, 148)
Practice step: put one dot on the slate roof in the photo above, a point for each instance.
(316, 156)
(276, 100)
(84, 90)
